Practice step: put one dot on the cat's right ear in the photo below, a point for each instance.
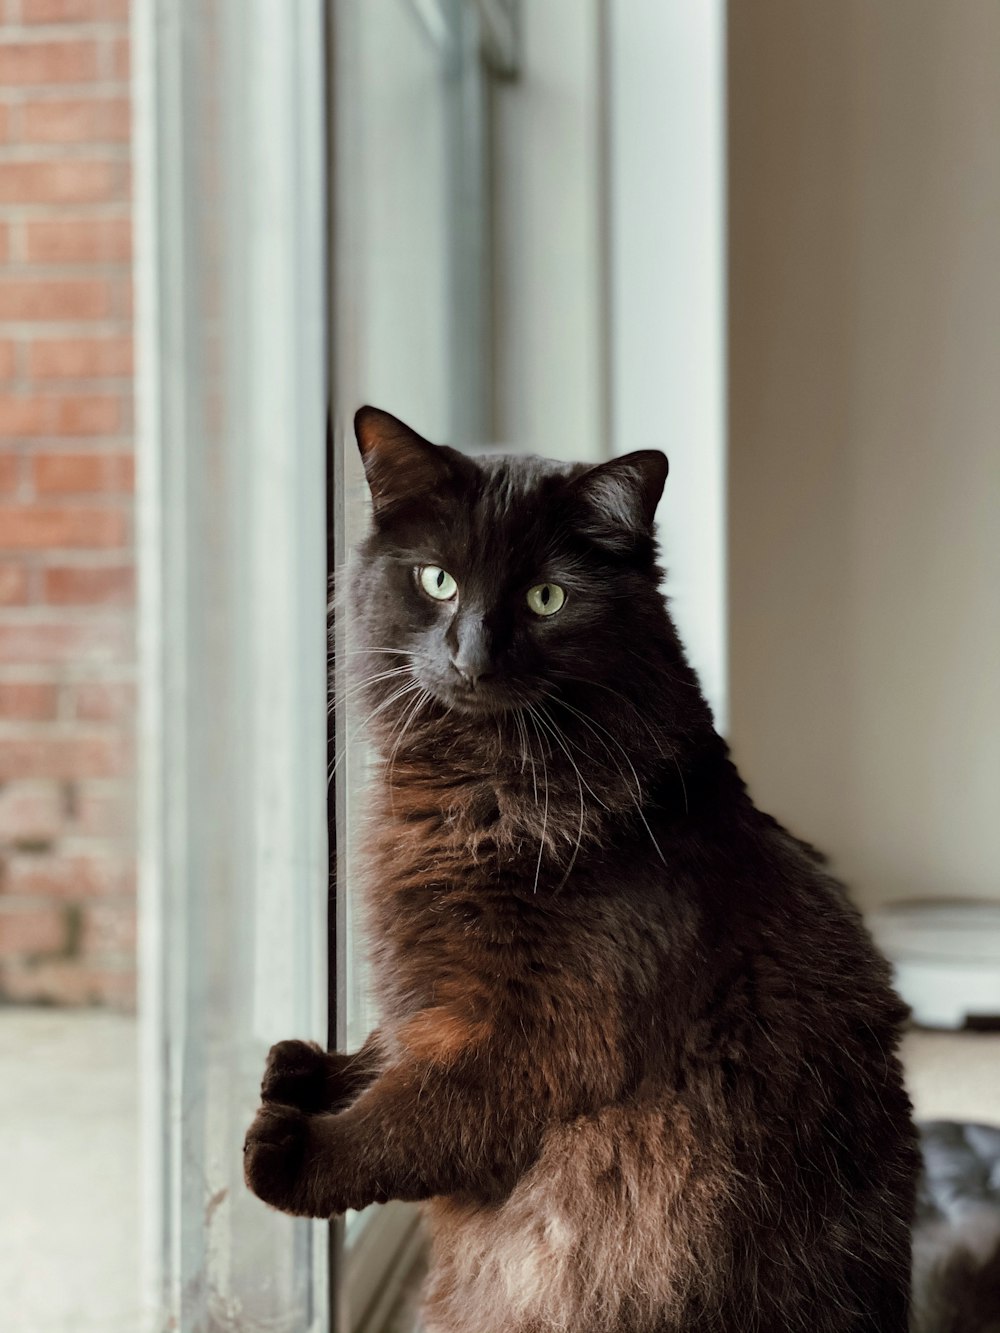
(618, 499)
(400, 465)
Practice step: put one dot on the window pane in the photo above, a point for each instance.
(412, 333)
(410, 293)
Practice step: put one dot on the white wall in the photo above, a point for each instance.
(665, 62)
(548, 280)
(864, 423)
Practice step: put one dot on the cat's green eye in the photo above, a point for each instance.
(437, 583)
(545, 599)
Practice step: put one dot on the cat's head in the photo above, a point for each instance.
(500, 581)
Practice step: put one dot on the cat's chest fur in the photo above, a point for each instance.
(467, 950)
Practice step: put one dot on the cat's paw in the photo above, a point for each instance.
(300, 1074)
(274, 1157)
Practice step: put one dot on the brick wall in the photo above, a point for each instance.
(67, 918)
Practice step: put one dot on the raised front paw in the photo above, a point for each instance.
(300, 1074)
(275, 1155)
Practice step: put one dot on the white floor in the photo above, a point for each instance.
(68, 1150)
(68, 1186)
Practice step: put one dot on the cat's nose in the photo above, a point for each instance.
(471, 651)
(471, 656)
(471, 670)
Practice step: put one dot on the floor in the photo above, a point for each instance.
(68, 1182)
(69, 1199)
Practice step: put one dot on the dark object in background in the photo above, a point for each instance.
(956, 1240)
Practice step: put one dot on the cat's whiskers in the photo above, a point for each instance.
(525, 750)
(580, 782)
(409, 717)
(333, 653)
(393, 698)
(595, 729)
(356, 651)
(545, 811)
(346, 695)
(599, 684)
(672, 754)
(637, 797)
(662, 670)
(373, 680)
(550, 724)
(515, 719)
(526, 753)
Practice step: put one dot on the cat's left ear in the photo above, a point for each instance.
(618, 499)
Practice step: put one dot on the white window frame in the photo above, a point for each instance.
(229, 139)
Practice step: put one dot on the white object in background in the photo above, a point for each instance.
(945, 957)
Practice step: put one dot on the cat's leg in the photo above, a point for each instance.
(303, 1075)
(421, 1129)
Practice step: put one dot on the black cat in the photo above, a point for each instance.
(638, 1053)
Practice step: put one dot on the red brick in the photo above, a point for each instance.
(32, 929)
(76, 120)
(104, 811)
(67, 773)
(66, 180)
(68, 981)
(37, 527)
(24, 416)
(102, 701)
(79, 240)
(98, 585)
(127, 297)
(32, 701)
(87, 414)
(10, 473)
(48, 62)
(30, 812)
(120, 61)
(80, 358)
(74, 473)
(109, 926)
(69, 878)
(48, 414)
(74, 642)
(13, 583)
(54, 298)
(72, 11)
(66, 757)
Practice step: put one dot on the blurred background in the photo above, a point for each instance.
(763, 236)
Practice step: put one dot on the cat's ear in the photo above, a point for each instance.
(400, 464)
(617, 500)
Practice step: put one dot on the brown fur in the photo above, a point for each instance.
(637, 1051)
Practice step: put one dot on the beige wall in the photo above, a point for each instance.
(864, 425)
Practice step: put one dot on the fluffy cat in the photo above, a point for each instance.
(638, 1053)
